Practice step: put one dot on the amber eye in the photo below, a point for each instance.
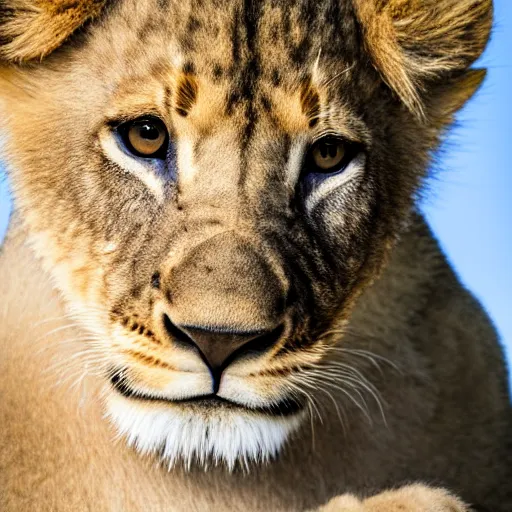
(329, 154)
(145, 137)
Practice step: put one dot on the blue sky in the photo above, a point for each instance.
(469, 204)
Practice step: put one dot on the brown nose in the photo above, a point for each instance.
(219, 348)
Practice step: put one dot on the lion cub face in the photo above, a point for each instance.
(211, 186)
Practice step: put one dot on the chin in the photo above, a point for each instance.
(204, 432)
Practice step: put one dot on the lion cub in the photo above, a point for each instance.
(217, 293)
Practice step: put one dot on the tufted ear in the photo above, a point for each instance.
(418, 42)
(31, 29)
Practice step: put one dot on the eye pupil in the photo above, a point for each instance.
(329, 150)
(329, 155)
(149, 131)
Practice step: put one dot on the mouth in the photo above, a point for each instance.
(283, 408)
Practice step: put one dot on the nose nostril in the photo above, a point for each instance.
(178, 336)
(259, 345)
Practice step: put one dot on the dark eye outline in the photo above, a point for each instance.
(123, 130)
(352, 149)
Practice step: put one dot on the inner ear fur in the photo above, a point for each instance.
(31, 29)
(417, 44)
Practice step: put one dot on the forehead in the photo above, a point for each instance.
(225, 36)
(229, 55)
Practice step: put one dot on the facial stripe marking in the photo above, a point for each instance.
(186, 94)
(149, 360)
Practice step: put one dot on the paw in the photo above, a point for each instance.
(414, 498)
(345, 503)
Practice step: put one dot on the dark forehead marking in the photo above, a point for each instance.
(245, 33)
(189, 68)
(266, 103)
(193, 24)
(249, 75)
(306, 27)
(236, 39)
(276, 77)
(217, 72)
(186, 94)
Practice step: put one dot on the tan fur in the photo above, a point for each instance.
(414, 498)
(396, 29)
(404, 389)
(310, 102)
(34, 28)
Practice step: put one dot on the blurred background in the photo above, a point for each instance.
(469, 202)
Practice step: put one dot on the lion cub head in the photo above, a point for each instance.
(211, 185)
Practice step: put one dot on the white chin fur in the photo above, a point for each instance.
(182, 435)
